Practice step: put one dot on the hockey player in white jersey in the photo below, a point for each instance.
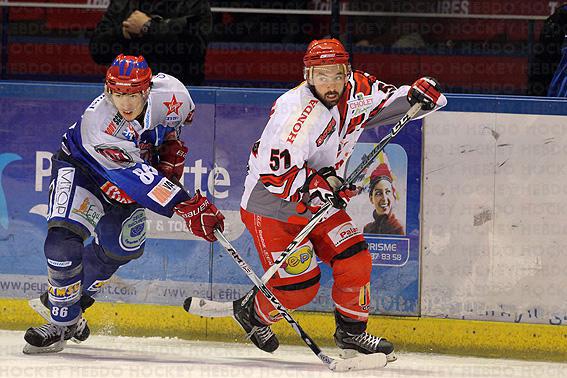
(297, 163)
(116, 161)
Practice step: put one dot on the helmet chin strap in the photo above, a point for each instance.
(307, 73)
(140, 117)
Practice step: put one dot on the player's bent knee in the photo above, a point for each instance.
(62, 248)
(297, 298)
(354, 270)
(119, 257)
(297, 294)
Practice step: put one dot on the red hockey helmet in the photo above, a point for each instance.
(128, 74)
(322, 52)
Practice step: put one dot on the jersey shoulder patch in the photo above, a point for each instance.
(101, 116)
(169, 103)
(102, 121)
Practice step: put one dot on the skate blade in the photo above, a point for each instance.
(54, 348)
(351, 353)
(360, 362)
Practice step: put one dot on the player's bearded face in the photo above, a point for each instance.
(382, 197)
(329, 83)
(130, 106)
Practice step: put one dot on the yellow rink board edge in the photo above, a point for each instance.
(431, 335)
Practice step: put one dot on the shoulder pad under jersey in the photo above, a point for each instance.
(101, 115)
(300, 114)
(169, 103)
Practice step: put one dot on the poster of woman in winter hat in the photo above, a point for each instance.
(383, 187)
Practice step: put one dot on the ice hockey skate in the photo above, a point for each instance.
(48, 338)
(241, 310)
(350, 345)
(352, 340)
(260, 334)
(82, 331)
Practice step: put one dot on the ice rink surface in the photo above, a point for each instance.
(106, 356)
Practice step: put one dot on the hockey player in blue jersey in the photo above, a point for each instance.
(116, 161)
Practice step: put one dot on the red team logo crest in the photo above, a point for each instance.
(115, 154)
(326, 133)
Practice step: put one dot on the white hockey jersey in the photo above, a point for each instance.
(302, 134)
(107, 146)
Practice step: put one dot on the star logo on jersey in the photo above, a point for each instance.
(172, 106)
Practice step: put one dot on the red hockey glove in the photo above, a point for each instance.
(172, 158)
(149, 154)
(201, 216)
(425, 91)
(323, 186)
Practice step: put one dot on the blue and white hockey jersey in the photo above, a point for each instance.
(108, 146)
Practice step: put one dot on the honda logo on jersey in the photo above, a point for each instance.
(299, 122)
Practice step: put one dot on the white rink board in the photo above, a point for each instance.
(105, 356)
(495, 217)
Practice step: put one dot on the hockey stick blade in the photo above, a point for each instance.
(207, 308)
(365, 362)
(39, 308)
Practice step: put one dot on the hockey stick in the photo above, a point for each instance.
(370, 361)
(322, 212)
